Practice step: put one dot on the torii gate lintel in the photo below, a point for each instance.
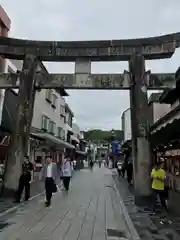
(153, 81)
(108, 50)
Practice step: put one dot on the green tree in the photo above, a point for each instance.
(100, 135)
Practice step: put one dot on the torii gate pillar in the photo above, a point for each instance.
(139, 124)
(20, 137)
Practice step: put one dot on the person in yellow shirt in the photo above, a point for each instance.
(158, 183)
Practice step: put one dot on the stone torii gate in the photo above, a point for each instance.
(136, 79)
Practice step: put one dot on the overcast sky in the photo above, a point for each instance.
(96, 20)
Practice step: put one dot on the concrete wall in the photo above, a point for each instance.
(159, 110)
(126, 124)
(9, 68)
(5, 24)
(69, 116)
(76, 129)
(81, 135)
(41, 106)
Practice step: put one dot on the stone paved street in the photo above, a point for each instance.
(91, 210)
(37, 187)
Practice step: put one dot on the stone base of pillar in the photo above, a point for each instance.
(8, 193)
(142, 172)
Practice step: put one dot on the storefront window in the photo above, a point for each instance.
(172, 164)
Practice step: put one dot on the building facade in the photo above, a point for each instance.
(5, 24)
(51, 122)
(156, 109)
(126, 124)
(69, 115)
(165, 139)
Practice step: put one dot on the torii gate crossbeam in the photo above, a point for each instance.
(109, 50)
(158, 81)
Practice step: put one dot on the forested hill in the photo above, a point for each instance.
(97, 134)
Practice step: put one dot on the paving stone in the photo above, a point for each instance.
(149, 227)
(86, 212)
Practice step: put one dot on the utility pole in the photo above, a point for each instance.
(139, 125)
(20, 137)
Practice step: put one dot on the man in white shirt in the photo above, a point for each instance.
(66, 172)
(49, 174)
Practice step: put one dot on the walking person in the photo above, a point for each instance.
(24, 180)
(158, 186)
(66, 172)
(100, 162)
(129, 172)
(49, 174)
(91, 164)
(119, 168)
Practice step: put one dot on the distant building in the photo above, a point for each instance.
(5, 24)
(126, 125)
(156, 109)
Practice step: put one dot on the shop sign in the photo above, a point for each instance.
(173, 152)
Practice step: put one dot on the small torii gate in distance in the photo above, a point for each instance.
(137, 80)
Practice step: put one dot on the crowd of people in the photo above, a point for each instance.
(159, 178)
(50, 174)
(160, 181)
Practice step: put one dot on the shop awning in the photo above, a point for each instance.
(52, 139)
(126, 145)
(74, 138)
(169, 118)
(166, 135)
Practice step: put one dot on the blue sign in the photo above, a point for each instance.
(115, 146)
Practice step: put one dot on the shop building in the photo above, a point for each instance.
(49, 123)
(126, 128)
(69, 115)
(165, 140)
(77, 139)
(5, 24)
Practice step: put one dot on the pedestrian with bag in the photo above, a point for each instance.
(49, 174)
(66, 171)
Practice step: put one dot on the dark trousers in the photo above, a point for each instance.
(159, 193)
(123, 170)
(49, 184)
(23, 184)
(66, 181)
(119, 171)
